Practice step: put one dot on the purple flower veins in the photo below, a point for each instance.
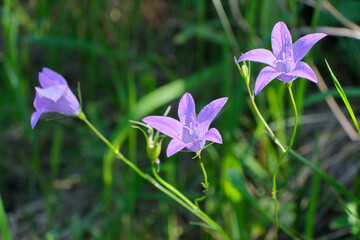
(285, 59)
(191, 131)
(54, 96)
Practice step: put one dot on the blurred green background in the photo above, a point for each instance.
(135, 58)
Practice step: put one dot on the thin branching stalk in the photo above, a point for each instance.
(171, 188)
(205, 184)
(281, 160)
(203, 216)
(252, 98)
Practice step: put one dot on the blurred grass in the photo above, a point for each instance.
(134, 58)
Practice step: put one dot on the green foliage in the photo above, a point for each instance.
(135, 58)
(343, 97)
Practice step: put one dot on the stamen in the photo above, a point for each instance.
(288, 62)
(189, 128)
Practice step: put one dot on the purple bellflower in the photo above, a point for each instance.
(285, 58)
(54, 96)
(191, 131)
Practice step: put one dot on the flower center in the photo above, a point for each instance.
(285, 64)
(190, 133)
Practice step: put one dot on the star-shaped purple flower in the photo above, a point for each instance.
(54, 96)
(190, 132)
(285, 59)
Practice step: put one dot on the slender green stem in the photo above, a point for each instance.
(185, 203)
(171, 188)
(4, 226)
(246, 76)
(204, 184)
(252, 98)
(82, 116)
(281, 159)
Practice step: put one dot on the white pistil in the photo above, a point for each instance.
(283, 61)
(192, 135)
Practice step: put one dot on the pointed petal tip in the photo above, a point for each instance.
(34, 119)
(213, 135)
(258, 55)
(225, 99)
(280, 23)
(168, 153)
(187, 94)
(147, 119)
(222, 101)
(186, 109)
(303, 70)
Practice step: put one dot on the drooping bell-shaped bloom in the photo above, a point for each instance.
(285, 59)
(53, 96)
(191, 131)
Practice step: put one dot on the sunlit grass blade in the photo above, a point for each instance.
(344, 98)
(4, 227)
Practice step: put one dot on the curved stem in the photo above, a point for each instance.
(181, 200)
(82, 116)
(281, 160)
(204, 184)
(171, 188)
(263, 120)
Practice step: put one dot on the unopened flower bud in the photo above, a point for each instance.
(244, 71)
(153, 150)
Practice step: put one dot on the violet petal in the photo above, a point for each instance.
(265, 76)
(48, 78)
(280, 38)
(174, 146)
(258, 55)
(303, 70)
(166, 125)
(186, 110)
(286, 77)
(303, 45)
(40, 102)
(53, 93)
(35, 117)
(208, 113)
(67, 104)
(196, 146)
(213, 135)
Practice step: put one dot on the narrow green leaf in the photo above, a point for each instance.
(4, 227)
(344, 98)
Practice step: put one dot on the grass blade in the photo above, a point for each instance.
(4, 227)
(344, 98)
